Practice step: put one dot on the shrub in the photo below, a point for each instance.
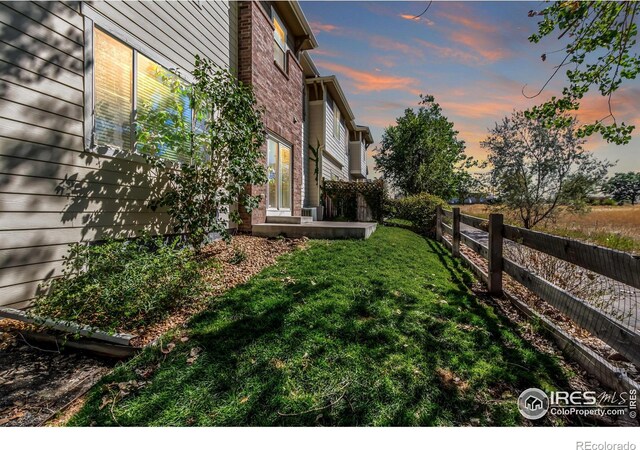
(218, 145)
(121, 285)
(344, 195)
(420, 210)
(239, 256)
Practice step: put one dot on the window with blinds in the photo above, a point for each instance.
(152, 92)
(279, 42)
(113, 91)
(116, 86)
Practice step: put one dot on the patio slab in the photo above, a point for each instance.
(317, 230)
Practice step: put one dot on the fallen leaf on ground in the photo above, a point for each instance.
(169, 349)
(193, 355)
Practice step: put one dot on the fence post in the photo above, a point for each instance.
(455, 248)
(495, 253)
(439, 224)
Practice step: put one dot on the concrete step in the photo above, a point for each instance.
(289, 219)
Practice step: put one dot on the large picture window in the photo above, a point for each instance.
(279, 172)
(125, 80)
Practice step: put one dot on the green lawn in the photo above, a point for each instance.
(376, 332)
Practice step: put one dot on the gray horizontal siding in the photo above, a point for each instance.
(34, 238)
(53, 192)
(44, 102)
(178, 30)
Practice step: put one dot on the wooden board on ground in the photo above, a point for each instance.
(67, 326)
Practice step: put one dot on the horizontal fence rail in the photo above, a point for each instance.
(487, 238)
(613, 264)
(617, 335)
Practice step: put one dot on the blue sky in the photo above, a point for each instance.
(474, 57)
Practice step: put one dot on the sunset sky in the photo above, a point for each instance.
(474, 57)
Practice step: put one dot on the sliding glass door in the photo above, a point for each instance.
(279, 171)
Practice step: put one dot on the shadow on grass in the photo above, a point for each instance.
(380, 332)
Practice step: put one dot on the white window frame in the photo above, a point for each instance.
(279, 141)
(276, 17)
(336, 122)
(93, 19)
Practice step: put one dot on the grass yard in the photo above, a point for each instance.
(616, 227)
(376, 332)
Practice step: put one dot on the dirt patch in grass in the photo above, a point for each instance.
(34, 384)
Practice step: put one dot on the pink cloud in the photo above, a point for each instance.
(450, 52)
(468, 23)
(324, 52)
(384, 43)
(413, 18)
(319, 27)
(372, 82)
(385, 61)
(487, 48)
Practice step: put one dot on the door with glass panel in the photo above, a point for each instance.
(279, 172)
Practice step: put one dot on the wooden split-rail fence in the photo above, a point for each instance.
(621, 267)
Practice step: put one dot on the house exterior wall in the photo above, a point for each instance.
(278, 91)
(357, 159)
(316, 136)
(53, 191)
(337, 165)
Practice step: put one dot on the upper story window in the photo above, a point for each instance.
(336, 123)
(125, 80)
(279, 41)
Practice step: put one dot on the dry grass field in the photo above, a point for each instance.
(615, 227)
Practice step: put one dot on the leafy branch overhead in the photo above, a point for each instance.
(601, 53)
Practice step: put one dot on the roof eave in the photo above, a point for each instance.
(333, 80)
(310, 41)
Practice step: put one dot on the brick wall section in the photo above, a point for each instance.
(280, 94)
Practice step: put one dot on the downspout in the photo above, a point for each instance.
(324, 141)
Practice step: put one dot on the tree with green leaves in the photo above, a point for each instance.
(537, 169)
(468, 185)
(422, 152)
(623, 187)
(601, 52)
(218, 145)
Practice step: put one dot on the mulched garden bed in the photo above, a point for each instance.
(36, 382)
